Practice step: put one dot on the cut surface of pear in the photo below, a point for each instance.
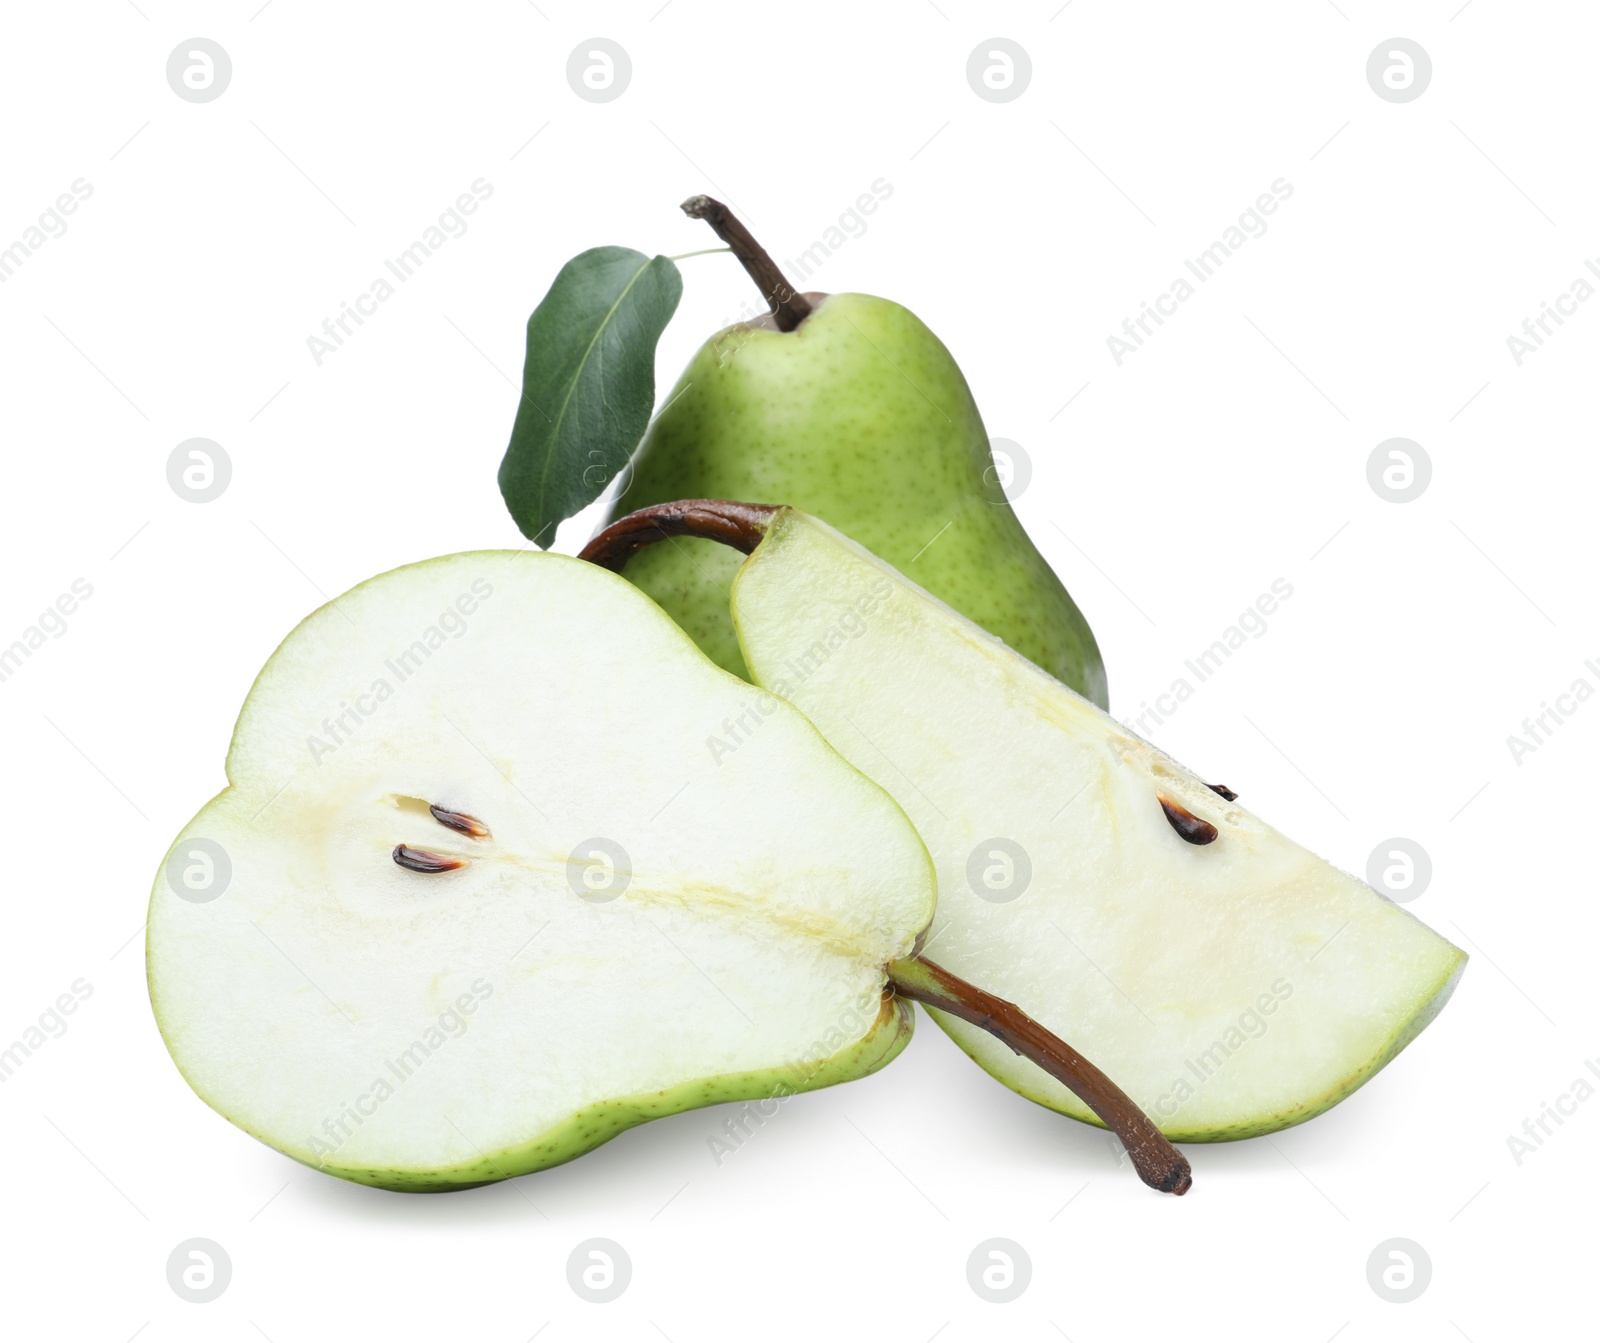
(1232, 982)
(861, 416)
(477, 896)
(1232, 987)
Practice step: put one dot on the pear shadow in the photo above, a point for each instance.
(637, 1174)
(1057, 1145)
(492, 1204)
(632, 1175)
(1066, 1151)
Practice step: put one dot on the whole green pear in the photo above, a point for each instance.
(861, 416)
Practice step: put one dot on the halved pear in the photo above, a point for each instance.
(479, 894)
(606, 924)
(1231, 981)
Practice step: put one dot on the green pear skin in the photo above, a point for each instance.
(861, 417)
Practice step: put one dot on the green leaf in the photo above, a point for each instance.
(588, 385)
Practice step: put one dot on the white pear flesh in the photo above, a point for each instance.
(1230, 988)
(430, 1030)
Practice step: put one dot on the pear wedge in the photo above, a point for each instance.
(1230, 980)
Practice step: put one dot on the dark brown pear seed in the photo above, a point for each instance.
(421, 860)
(1223, 791)
(1189, 826)
(459, 820)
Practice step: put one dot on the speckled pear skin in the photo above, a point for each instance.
(598, 1124)
(861, 417)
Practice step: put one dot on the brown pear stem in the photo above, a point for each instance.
(738, 525)
(789, 306)
(1159, 1163)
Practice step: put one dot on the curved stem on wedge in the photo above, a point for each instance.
(738, 525)
(789, 306)
(1159, 1163)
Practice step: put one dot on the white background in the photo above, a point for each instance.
(1230, 451)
